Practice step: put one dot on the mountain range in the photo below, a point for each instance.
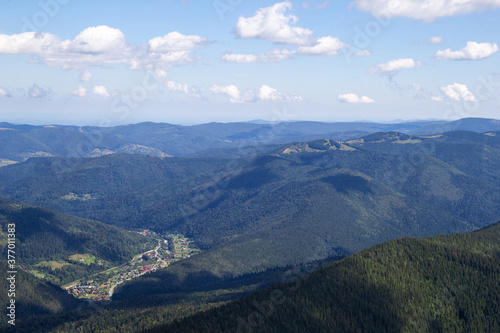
(259, 200)
(20, 142)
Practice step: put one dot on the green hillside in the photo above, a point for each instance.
(440, 284)
(83, 187)
(50, 243)
(33, 298)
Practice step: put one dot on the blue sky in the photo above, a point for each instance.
(116, 62)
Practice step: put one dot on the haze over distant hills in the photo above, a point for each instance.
(19, 142)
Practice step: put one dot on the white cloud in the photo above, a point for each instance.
(458, 92)
(353, 98)
(240, 58)
(394, 66)
(264, 93)
(171, 49)
(424, 10)
(36, 91)
(183, 88)
(232, 91)
(326, 46)
(271, 23)
(101, 91)
(435, 40)
(175, 41)
(274, 55)
(363, 53)
(472, 51)
(81, 91)
(176, 86)
(267, 93)
(437, 98)
(102, 46)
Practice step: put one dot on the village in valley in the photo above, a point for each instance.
(170, 249)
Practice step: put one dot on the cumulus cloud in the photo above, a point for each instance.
(172, 49)
(240, 58)
(267, 93)
(263, 93)
(392, 67)
(472, 51)
(273, 24)
(183, 88)
(100, 91)
(36, 91)
(80, 92)
(458, 92)
(276, 25)
(274, 55)
(326, 46)
(424, 10)
(353, 98)
(232, 91)
(102, 46)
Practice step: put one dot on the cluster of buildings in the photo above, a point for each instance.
(95, 292)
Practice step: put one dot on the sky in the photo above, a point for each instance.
(113, 62)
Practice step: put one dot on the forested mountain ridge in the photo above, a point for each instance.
(440, 284)
(47, 240)
(20, 142)
(43, 180)
(301, 202)
(307, 201)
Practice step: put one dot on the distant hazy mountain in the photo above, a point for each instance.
(20, 142)
(478, 125)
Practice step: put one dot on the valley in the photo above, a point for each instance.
(103, 284)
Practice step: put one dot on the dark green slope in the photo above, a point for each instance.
(83, 186)
(48, 236)
(328, 213)
(472, 153)
(440, 284)
(33, 298)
